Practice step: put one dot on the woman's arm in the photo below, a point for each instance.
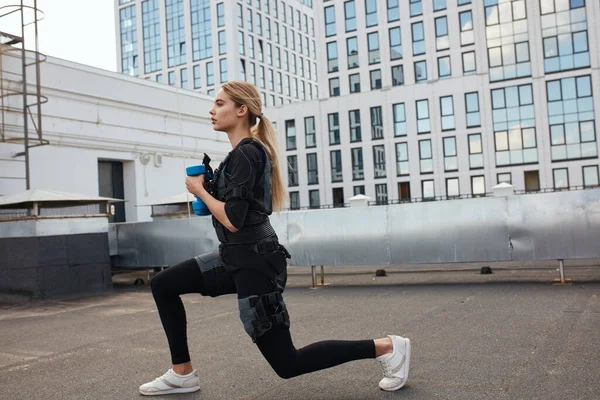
(195, 185)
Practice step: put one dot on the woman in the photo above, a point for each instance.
(250, 260)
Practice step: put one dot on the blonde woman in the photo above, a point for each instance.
(251, 262)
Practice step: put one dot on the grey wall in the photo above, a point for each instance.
(542, 226)
(47, 267)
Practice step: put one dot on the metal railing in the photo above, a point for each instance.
(442, 198)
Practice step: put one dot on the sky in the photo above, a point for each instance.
(76, 30)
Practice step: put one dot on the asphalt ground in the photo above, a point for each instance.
(513, 334)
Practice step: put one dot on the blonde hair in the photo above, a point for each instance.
(244, 93)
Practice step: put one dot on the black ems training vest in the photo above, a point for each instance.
(256, 225)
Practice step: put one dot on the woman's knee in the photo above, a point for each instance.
(157, 283)
(284, 370)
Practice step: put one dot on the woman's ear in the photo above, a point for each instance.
(243, 110)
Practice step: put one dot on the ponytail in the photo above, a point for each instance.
(264, 132)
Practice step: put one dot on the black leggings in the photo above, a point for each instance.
(275, 345)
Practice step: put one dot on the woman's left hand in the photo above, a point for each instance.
(195, 184)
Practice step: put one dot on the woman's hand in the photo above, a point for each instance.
(195, 184)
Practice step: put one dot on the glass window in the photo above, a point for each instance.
(420, 71)
(210, 73)
(359, 190)
(475, 151)
(452, 189)
(472, 109)
(376, 123)
(439, 5)
(395, 44)
(397, 75)
(567, 50)
(183, 78)
(444, 70)
(425, 156)
(240, 15)
(329, 21)
(152, 40)
(590, 176)
(334, 128)
(561, 178)
(381, 195)
(416, 8)
(504, 178)
(371, 11)
(373, 43)
(418, 38)
(571, 119)
(355, 131)
(358, 170)
(478, 185)
(176, 48)
(290, 134)
(129, 48)
(447, 113)
(450, 155)
(309, 129)
(399, 119)
(313, 198)
(441, 33)
(423, 125)
(428, 189)
(466, 28)
(375, 79)
(196, 72)
(463, 2)
(292, 162)
(294, 200)
(336, 165)
(249, 20)
(393, 10)
(222, 43)
(469, 65)
(242, 47)
(379, 161)
(332, 57)
(220, 14)
(312, 169)
(334, 87)
(354, 83)
(352, 52)
(350, 15)
(402, 159)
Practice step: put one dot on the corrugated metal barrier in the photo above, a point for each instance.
(543, 226)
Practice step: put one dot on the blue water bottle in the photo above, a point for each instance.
(194, 170)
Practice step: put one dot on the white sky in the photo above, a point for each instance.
(77, 30)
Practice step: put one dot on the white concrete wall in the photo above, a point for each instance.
(94, 115)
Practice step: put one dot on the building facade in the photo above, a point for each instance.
(447, 98)
(415, 99)
(108, 134)
(199, 44)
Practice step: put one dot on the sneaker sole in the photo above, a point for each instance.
(407, 361)
(172, 391)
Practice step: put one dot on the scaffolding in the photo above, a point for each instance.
(25, 85)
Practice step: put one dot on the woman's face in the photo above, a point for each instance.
(225, 115)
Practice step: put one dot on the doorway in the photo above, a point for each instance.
(404, 191)
(338, 197)
(110, 184)
(532, 181)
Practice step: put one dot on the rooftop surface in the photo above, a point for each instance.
(513, 334)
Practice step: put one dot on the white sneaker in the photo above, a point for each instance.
(395, 364)
(172, 382)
